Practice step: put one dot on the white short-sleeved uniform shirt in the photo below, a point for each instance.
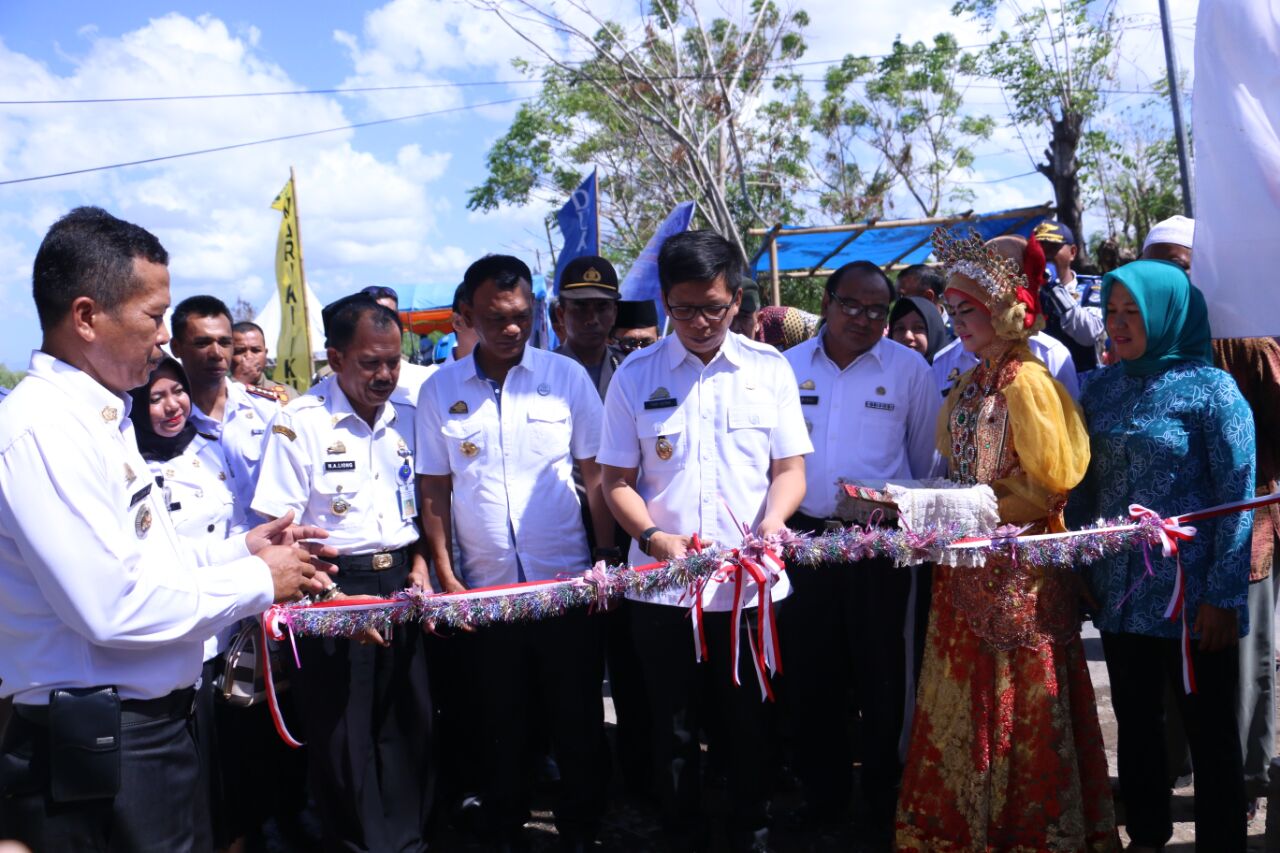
(873, 421)
(334, 470)
(702, 438)
(412, 377)
(195, 487)
(242, 433)
(96, 587)
(515, 510)
(953, 361)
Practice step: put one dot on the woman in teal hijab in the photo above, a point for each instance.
(1170, 432)
(1172, 311)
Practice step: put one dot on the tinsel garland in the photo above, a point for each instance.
(601, 584)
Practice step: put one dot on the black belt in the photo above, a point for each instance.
(379, 562)
(176, 705)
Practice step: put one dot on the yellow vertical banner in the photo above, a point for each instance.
(293, 350)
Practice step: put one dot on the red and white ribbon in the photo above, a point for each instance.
(275, 617)
(1169, 532)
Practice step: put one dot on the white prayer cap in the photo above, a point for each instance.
(1176, 230)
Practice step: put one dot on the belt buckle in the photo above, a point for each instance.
(381, 562)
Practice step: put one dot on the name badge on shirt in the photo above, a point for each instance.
(808, 399)
(665, 403)
(884, 407)
(346, 465)
(139, 496)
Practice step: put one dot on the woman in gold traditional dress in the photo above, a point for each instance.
(1006, 752)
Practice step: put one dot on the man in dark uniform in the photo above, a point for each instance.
(1072, 303)
(636, 326)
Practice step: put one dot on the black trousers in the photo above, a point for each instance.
(1139, 668)
(630, 703)
(556, 666)
(683, 695)
(843, 629)
(366, 719)
(152, 812)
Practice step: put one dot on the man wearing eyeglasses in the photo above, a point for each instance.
(871, 407)
(703, 433)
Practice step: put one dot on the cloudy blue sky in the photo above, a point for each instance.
(384, 204)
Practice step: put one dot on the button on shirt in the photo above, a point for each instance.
(703, 438)
(195, 488)
(95, 586)
(242, 431)
(334, 470)
(514, 506)
(875, 420)
(953, 361)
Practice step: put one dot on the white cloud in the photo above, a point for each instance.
(212, 211)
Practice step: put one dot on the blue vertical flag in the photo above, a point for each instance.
(579, 224)
(641, 281)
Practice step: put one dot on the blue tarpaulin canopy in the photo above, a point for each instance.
(420, 297)
(804, 251)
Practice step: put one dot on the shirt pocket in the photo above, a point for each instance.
(750, 431)
(882, 432)
(664, 442)
(465, 440)
(550, 428)
(336, 499)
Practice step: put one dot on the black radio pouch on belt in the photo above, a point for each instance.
(84, 744)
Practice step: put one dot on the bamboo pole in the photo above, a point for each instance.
(773, 270)
(906, 223)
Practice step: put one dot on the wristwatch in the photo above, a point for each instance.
(645, 539)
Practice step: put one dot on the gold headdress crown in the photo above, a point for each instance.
(998, 276)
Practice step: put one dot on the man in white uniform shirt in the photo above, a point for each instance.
(872, 410)
(342, 457)
(235, 414)
(703, 431)
(499, 432)
(953, 361)
(104, 614)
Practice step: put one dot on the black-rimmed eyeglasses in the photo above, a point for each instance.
(854, 308)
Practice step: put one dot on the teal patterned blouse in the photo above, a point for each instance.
(1175, 441)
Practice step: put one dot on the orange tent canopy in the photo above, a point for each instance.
(429, 320)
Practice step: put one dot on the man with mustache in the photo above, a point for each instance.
(342, 457)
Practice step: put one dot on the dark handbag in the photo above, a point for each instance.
(243, 679)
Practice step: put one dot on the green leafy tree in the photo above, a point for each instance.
(10, 378)
(671, 109)
(910, 113)
(1135, 162)
(1053, 62)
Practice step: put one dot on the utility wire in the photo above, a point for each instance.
(260, 141)
(474, 83)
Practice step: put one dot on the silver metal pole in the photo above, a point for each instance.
(1175, 101)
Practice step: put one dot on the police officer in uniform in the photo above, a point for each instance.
(235, 414)
(105, 614)
(342, 457)
(500, 431)
(871, 409)
(703, 432)
(1072, 303)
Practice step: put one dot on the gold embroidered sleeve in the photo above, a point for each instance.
(1052, 444)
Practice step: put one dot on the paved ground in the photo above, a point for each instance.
(631, 825)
